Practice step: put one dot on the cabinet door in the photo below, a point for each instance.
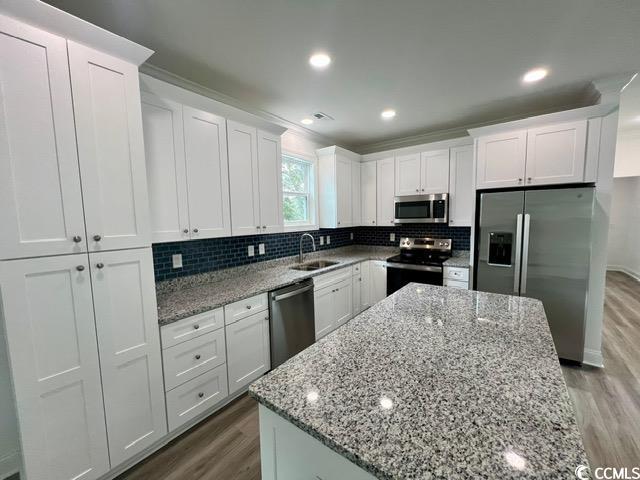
(244, 189)
(106, 102)
(356, 199)
(378, 281)
(166, 172)
(39, 178)
(461, 186)
(435, 172)
(343, 302)
(501, 160)
(270, 182)
(343, 188)
(205, 144)
(248, 355)
(556, 153)
(365, 285)
(324, 311)
(368, 182)
(385, 192)
(129, 346)
(408, 175)
(357, 294)
(51, 338)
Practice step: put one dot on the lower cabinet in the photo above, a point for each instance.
(248, 351)
(333, 306)
(456, 277)
(378, 276)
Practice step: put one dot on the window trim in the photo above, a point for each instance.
(312, 202)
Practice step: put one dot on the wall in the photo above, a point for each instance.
(381, 235)
(627, 154)
(624, 229)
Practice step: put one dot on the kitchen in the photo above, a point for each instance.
(332, 298)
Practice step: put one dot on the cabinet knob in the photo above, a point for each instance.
(264, 226)
(195, 230)
(373, 221)
(423, 189)
(80, 268)
(248, 307)
(519, 180)
(97, 238)
(196, 326)
(529, 179)
(338, 223)
(266, 318)
(99, 265)
(198, 357)
(391, 221)
(186, 230)
(258, 227)
(450, 221)
(77, 238)
(417, 189)
(201, 394)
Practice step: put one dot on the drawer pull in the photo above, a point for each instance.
(198, 356)
(201, 394)
(196, 326)
(248, 307)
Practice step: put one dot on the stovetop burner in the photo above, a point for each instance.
(423, 251)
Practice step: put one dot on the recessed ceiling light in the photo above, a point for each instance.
(535, 75)
(388, 114)
(306, 121)
(319, 60)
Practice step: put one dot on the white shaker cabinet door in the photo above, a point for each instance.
(324, 311)
(368, 182)
(40, 194)
(248, 354)
(461, 186)
(343, 302)
(365, 285)
(385, 192)
(501, 160)
(51, 338)
(408, 174)
(270, 182)
(166, 172)
(343, 189)
(205, 143)
(378, 281)
(129, 346)
(435, 172)
(244, 189)
(106, 101)
(356, 197)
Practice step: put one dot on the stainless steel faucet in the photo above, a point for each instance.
(301, 255)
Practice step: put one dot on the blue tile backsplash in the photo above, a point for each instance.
(200, 256)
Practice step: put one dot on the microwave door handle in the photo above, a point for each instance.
(516, 274)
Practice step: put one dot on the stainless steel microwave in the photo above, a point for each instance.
(432, 208)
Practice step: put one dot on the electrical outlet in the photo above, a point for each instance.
(321, 240)
(261, 249)
(392, 237)
(328, 240)
(351, 236)
(251, 251)
(177, 260)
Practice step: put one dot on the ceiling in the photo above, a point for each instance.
(439, 64)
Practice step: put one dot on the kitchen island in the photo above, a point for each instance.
(431, 382)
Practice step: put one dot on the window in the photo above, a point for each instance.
(297, 190)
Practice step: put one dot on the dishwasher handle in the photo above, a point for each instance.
(277, 298)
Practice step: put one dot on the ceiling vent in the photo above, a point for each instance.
(322, 116)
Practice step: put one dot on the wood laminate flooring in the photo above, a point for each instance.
(226, 446)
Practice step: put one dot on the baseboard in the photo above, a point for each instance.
(623, 269)
(9, 464)
(593, 358)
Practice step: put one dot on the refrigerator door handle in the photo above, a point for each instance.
(516, 274)
(525, 254)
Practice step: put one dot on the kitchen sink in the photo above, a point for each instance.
(314, 265)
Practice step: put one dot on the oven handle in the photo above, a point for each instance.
(422, 268)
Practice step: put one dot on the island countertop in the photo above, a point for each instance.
(435, 382)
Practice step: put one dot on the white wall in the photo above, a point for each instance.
(9, 445)
(627, 154)
(624, 229)
(294, 142)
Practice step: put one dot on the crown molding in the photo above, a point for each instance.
(609, 88)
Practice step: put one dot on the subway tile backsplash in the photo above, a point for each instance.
(200, 256)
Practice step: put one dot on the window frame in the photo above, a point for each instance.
(312, 188)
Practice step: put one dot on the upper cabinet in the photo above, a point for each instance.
(356, 199)
(545, 155)
(255, 180)
(461, 186)
(385, 207)
(422, 173)
(368, 193)
(106, 103)
(339, 188)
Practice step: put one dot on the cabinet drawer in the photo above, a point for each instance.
(196, 396)
(187, 360)
(456, 284)
(243, 308)
(460, 274)
(326, 279)
(356, 269)
(191, 327)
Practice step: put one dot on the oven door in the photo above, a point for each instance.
(400, 274)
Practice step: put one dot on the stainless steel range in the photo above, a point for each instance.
(420, 261)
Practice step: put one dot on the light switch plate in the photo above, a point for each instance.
(261, 249)
(392, 237)
(177, 260)
(321, 240)
(251, 251)
(328, 239)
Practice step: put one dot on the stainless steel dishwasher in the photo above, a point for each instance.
(292, 321)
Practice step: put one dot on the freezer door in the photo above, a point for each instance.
(499, 242)
(555, 264)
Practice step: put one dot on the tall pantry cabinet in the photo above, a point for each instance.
(76, 274)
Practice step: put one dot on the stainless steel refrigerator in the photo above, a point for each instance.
(537, 243)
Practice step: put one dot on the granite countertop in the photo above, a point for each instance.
(187, 296)
(435, 383)
(460, 258)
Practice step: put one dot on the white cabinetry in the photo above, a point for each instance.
(333, 300)
(461, 186)
(270, 182)
(51, 338)
(339, 188)
(356, 198)
(106, 104)
(408, 176)
(378, 275)
(361, 287)
(368, 187)
(422, 173)
(385, 173)
(501, 159)
(456, 277)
